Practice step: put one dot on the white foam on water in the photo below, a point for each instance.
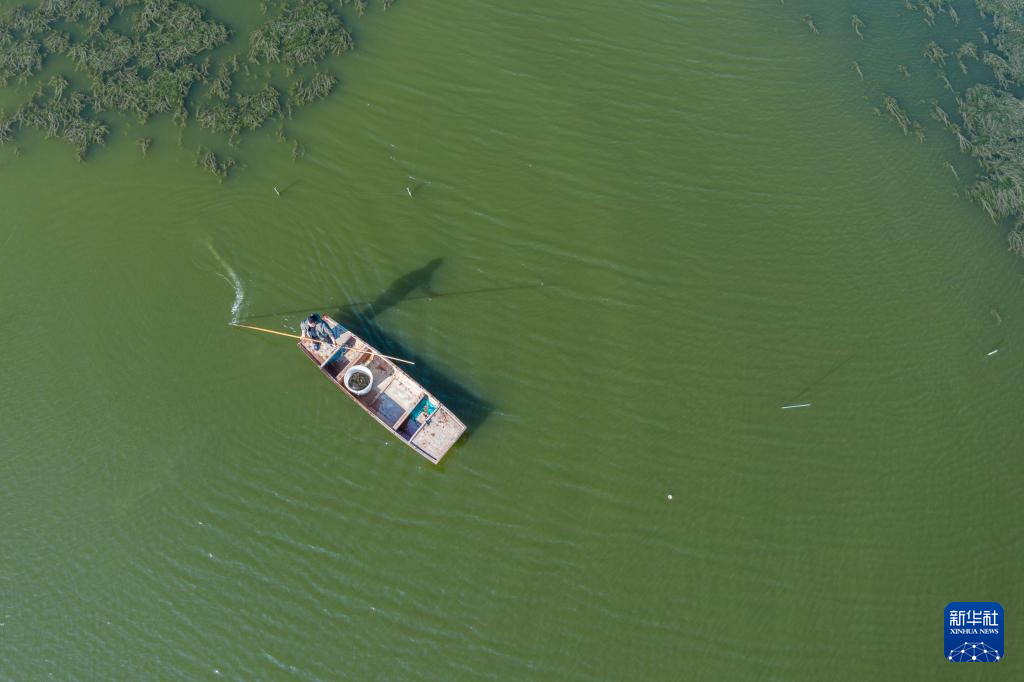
(232, 278)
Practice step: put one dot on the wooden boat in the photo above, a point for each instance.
(396, 400)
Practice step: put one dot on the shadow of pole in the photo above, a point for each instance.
(835, 368)
(351, 308)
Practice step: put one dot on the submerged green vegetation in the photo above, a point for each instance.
(299, 34)
(147, 58)
(979, 64)
(993, 117)
(209, 161)
(61, 115)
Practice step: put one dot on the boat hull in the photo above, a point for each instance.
(395, 400)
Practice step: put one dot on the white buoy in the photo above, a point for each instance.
(669, 496)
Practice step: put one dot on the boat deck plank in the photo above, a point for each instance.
(439, 433)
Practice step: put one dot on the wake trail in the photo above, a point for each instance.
(232, 278)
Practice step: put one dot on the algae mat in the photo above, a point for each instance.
(635, 232)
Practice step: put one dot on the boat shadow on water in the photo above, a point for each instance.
(472, 409)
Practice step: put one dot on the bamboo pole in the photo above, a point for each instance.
(306, 338)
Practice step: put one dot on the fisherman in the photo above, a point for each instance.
(314, 327)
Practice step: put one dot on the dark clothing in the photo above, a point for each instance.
(314, 327)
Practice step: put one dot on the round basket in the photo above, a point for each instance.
(359, 380)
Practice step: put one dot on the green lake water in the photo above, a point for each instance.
(659, 223)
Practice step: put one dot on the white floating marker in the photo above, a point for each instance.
(669, 496)
(792, 407)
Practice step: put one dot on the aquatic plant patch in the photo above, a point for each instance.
(147, 58)
(301, 33)
(981, 72)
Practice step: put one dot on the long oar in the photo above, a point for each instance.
(306, 338)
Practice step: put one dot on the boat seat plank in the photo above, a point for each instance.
(404, 391)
